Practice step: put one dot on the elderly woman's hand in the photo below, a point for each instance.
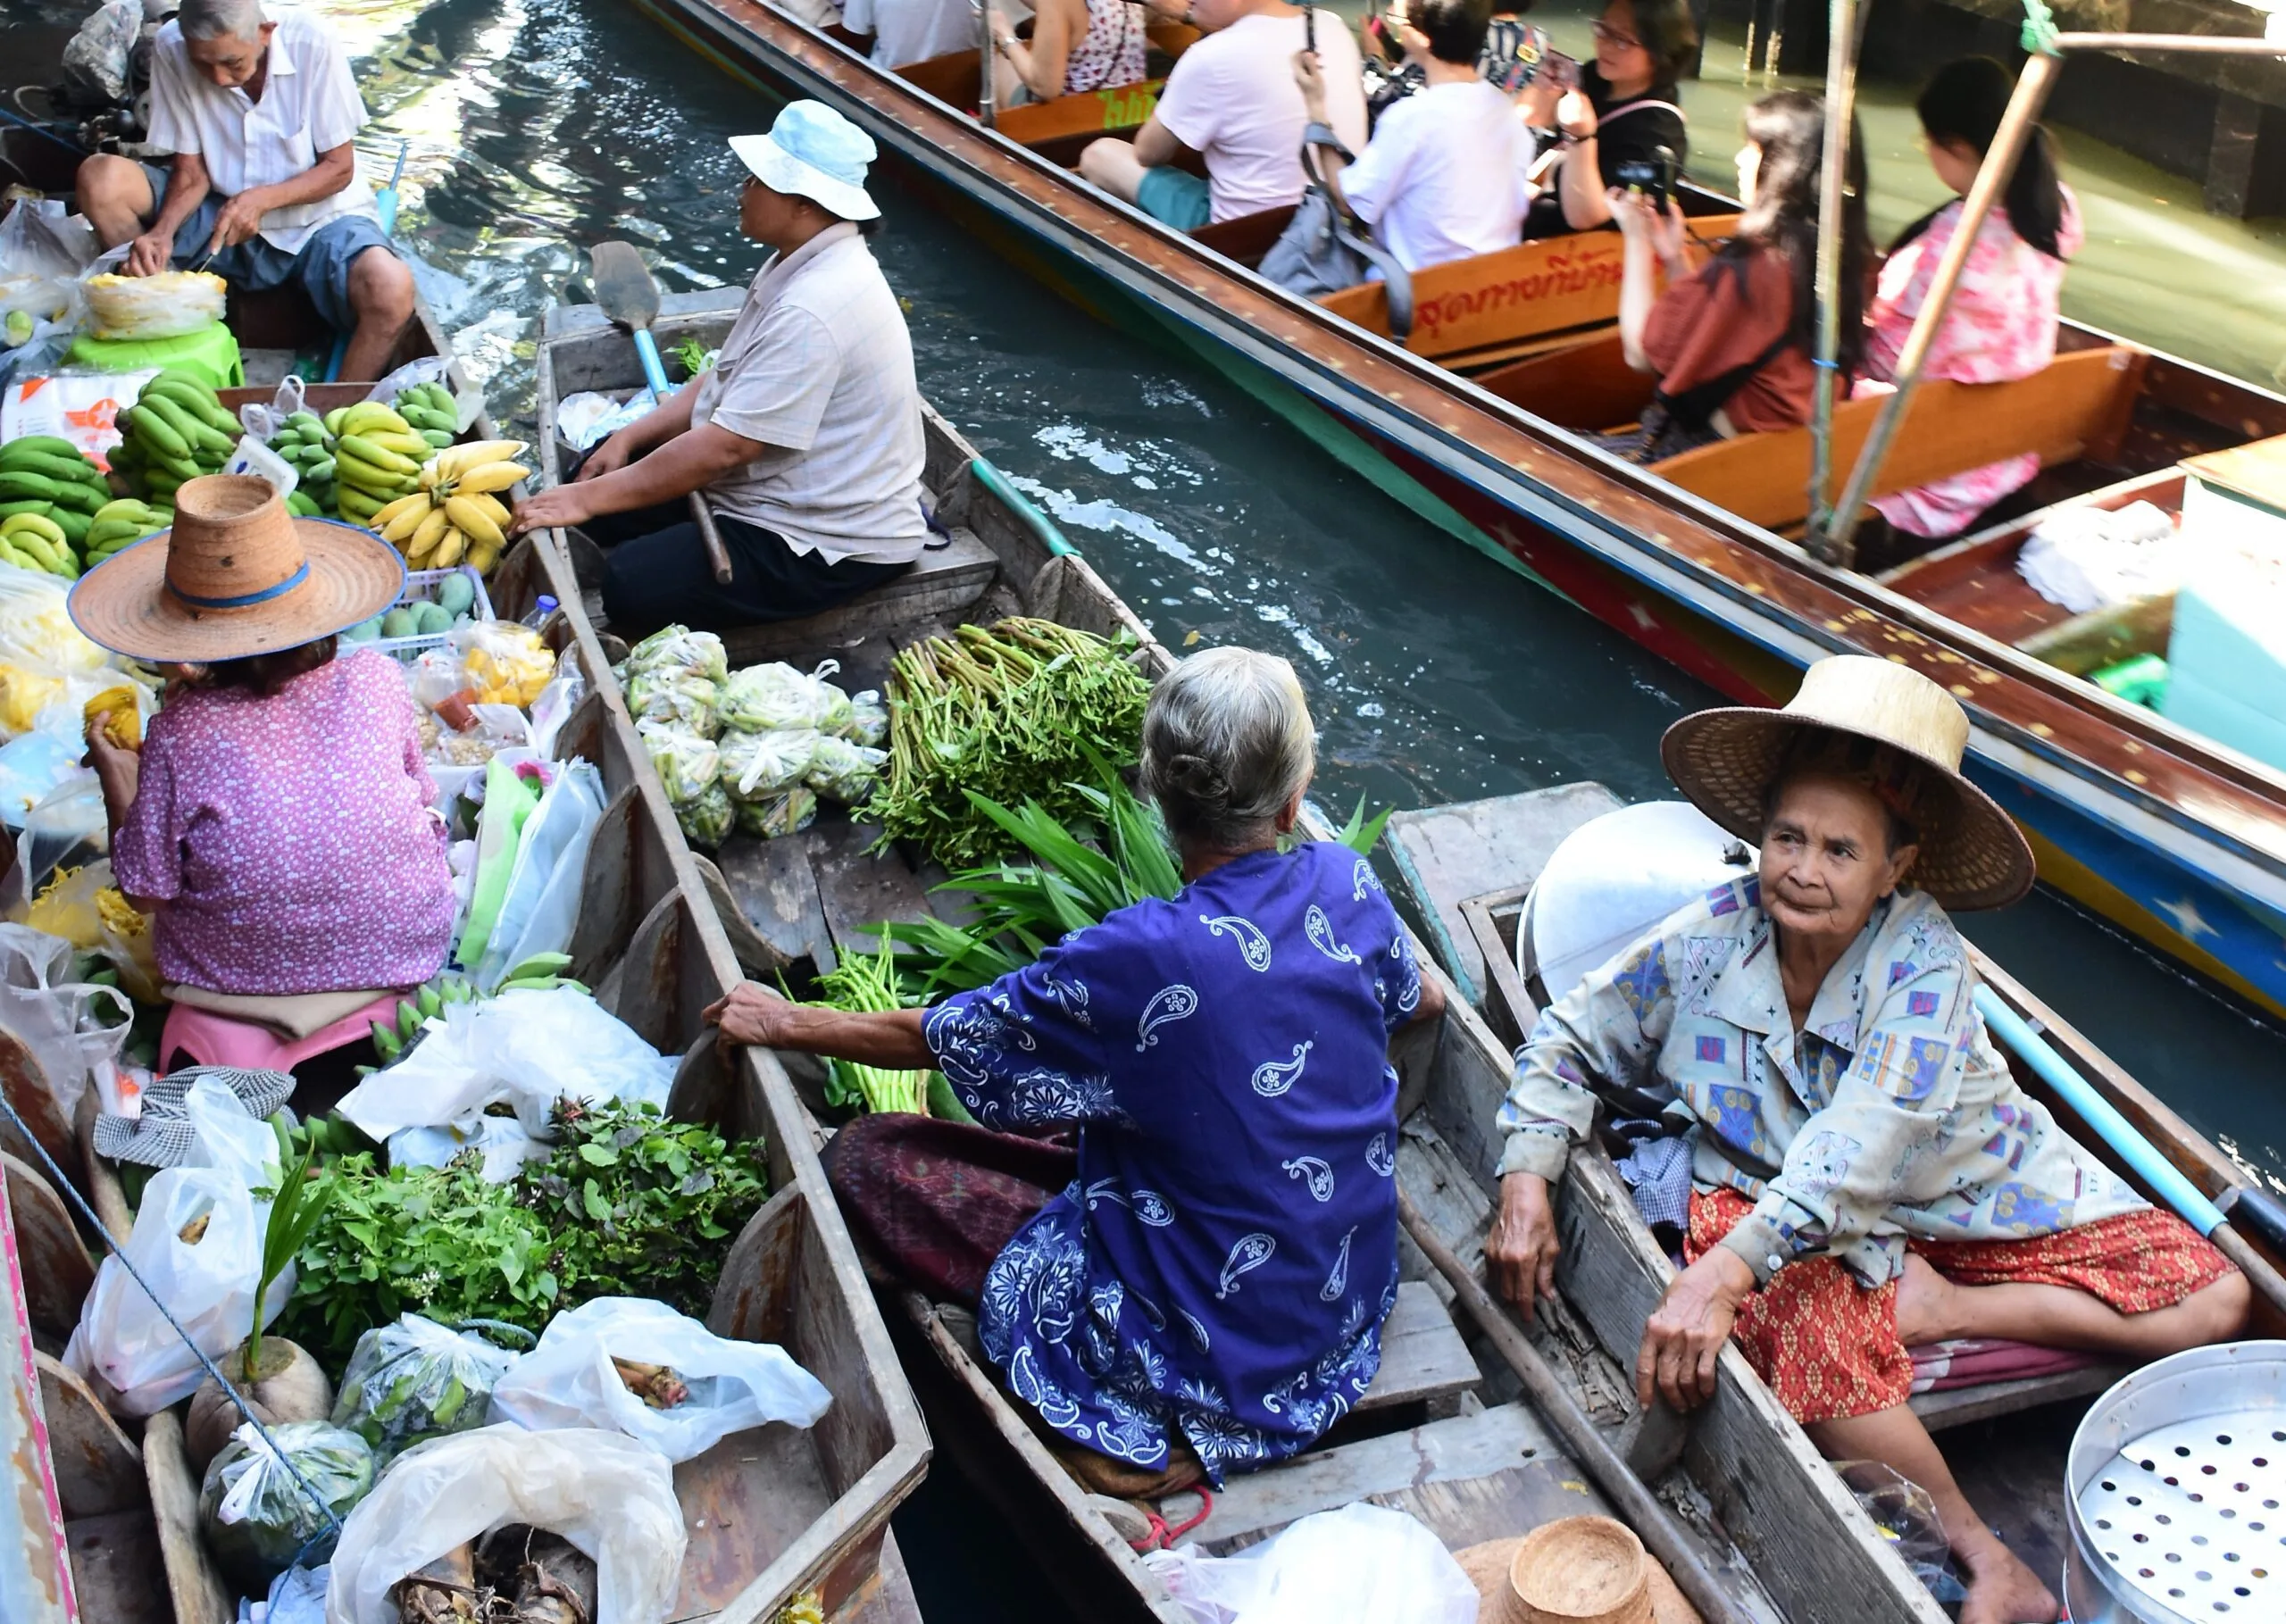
(1522, 1247)
(751, 1015)
(1683, 1338)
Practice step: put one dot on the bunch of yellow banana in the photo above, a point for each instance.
(456, 516)
(377, 459)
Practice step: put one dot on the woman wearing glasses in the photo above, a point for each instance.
(1623, 107)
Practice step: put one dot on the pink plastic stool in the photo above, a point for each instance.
(212, 1039)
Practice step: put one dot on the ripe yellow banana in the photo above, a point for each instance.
(416, 504)
(490, 477)
(449, 551)
(424, 535)
(491, 507)
(466, 515)
(454, 460)
(368, 415)
(405, 445)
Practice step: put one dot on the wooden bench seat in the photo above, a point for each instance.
(1958, 1406)
(943, 582)
(1424, 1359)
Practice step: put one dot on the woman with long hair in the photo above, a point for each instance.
(2001, 324)
(1732, 343)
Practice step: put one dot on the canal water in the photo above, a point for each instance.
(538, 128)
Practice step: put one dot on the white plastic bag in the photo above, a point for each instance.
(429, 369)
(1361, 1561)
(62, 1023)
(264, 421)
(97, 61)
(527, 1048)
(610, 1497)
(541, 907)
(169, 304)
(122, 1341)
(569, 1379)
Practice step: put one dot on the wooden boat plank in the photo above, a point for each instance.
(1960, 1406)
(197, 1591)
(945, 580)
(754, 1491)
(112, 1560)
(98, 1467)
(24, 1082)
(1423, 1358)
(859, 888)
(58, 1273)
(1513, 1473)
(775, 887)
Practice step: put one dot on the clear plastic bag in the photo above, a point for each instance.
(97, 61)
(706, 821)
(74, 1029)
(697, 1387)
(264, 421)
(686, 763)
(254, 1513)
(468, 401)
(1907, 1517)
(1361, 1561)
(610, 1497)
(675, 697)
(764, 698)
(168, 305)
(868, 722)
(678, 648)
(842, 772)
(787, 814)
(505, 663)
(416, 1379)
(756, 766)
(541, 906)
(42, 249)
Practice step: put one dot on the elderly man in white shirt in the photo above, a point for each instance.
(805, 436)
(259, 114)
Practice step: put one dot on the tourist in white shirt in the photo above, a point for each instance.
(1231, 101)
(1444, 176)
(259, 116)
(912, 30)
(805, 436)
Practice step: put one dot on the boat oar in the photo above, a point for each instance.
(2166, 1179)
(627, 294)
(384, 205)
(1582, 1439)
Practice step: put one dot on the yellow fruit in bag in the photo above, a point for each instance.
(23, 696)
(67, 907)
(125, 727)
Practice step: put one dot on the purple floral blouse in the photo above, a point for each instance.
(290, 837)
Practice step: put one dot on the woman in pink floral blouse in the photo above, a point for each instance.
(2002, 323)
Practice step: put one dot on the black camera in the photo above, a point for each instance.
(1654, 177)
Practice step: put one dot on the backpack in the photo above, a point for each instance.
(1324, 247)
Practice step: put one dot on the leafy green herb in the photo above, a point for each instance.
(691, 357)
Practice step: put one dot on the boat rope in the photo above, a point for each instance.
(1163, 1534)
(42, 130)
(70, 1193)
(2039, 30)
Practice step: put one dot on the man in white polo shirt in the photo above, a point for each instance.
(805, 436)
(259, 115)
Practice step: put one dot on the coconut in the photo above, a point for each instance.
(289, 1386)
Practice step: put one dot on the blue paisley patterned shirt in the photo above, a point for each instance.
(1889, 1115)
(1221, 1268)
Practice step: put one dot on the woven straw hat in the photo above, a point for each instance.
(1577, 1571)
(1870, 719)
(237, 575)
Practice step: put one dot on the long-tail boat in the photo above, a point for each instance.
(1766, 1528)
(1471, 422)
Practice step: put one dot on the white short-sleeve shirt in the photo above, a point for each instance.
(309, 105)
(1232, 99)
(912, 30)
(1444, 177)
(819, 368)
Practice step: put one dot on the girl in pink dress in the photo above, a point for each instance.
(2002, 322)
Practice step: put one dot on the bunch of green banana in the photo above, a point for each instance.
(432, 412)
(177, 429)
(29, 542)
(45, 477)
(304, 444)
(377, 459)
(120, 524)
(539, 973)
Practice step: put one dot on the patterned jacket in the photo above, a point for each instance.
(1890, 1116)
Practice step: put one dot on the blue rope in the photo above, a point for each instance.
(42, 130)
(70, 1193)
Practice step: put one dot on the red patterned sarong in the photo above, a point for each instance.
(1829, 1348)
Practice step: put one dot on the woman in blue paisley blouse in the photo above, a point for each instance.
(1867, 1175)
(1199, 1285)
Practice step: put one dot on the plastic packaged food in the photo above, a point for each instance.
(869, 719)
(676, 698)
(504, 664)
(775, 815)
(762, 698)
(255, 1516)
(687, 764)
(678, 648)
(756, 766)
(167, 305)
(416, 1379)
(706, 821)
(842, 772)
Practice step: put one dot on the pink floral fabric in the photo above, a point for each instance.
(290, 837)
(2001, 327)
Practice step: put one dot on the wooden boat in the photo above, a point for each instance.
(771, 1513)
(2148, 824)
(1441, 1435)
(1470, 867)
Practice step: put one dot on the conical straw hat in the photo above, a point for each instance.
(1971, 857)
(237, 575)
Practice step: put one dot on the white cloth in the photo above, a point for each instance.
(1232, 99)
(309, 105)
(819, 368)
(912, 30)
(1444, 176)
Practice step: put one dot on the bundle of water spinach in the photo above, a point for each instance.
(1012, 712)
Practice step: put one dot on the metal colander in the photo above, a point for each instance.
(2177, 1493)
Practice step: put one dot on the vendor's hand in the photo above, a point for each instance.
(750, 1014)
(1575, 115)
(1683, 1338)
(149, 255)
(1520, 1249)
(553, 509)
(239, 220)
(119, 771)
(608, 458)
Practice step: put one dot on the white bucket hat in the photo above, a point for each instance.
(813, 152)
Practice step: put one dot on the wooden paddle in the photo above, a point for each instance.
(627, 294)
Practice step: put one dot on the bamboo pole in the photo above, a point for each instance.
(985, 114)
(2197, 45)
(1833, 180)
(1992, 177)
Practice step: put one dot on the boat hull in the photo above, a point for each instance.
(2199, 875)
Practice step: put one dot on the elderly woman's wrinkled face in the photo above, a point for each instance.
(1826, 858)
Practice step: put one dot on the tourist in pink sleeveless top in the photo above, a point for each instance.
(1076, 45)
